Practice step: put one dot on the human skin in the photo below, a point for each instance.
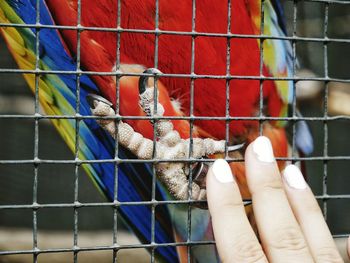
(290, 223)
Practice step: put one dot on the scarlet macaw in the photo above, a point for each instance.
(131, 52)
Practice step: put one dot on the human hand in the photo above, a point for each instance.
(290, 223)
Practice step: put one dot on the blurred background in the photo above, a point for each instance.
(56, 182)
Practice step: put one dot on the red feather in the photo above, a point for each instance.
(98, 53)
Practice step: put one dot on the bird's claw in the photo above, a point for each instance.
(93, 99)
(169, 145)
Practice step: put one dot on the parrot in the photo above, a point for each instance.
(208, 63)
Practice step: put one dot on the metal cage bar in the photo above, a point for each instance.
(325, 126)
(36, 135)
(116, 146)
(77, 141)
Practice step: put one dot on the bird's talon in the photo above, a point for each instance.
(102, 108)
(169, 145)
(143, 81)
(199, 174)
(235, 147)
(92, 99)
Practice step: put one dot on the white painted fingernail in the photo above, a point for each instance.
(222, 171)
(294, 177)
(263, 149)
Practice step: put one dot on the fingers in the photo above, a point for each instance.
(281, 236)
(290, 223)
(236, 241)
(309, 216)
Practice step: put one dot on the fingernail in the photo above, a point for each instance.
(222, 171)
(263, 149)
(294, 177)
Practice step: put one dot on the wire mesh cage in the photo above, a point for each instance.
(44, 187)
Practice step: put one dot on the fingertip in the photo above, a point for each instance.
(294, 178)
(222, 171)
(221, 185)
(261, 167)
(262, 149)
(259, 152)
(218, 177)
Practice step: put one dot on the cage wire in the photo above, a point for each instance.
(76, 205)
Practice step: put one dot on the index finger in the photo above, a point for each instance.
(235, 239)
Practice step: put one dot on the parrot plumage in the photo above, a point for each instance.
(130, 52)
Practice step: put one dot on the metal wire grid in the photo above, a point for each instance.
(76, 205)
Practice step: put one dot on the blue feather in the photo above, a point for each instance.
(277, 5)
(303, 137)
(133, 180)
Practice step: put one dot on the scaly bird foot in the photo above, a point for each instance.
(169, 144)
